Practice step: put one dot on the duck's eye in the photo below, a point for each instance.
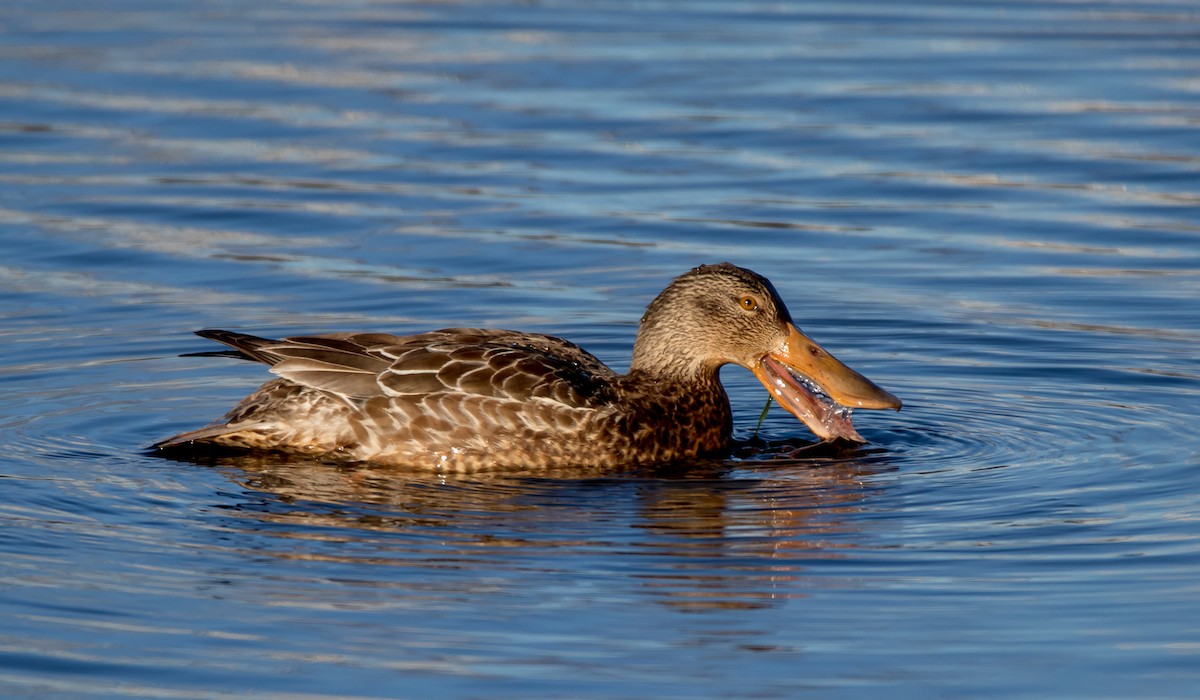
(749, 303)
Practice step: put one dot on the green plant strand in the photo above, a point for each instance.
(761, 417)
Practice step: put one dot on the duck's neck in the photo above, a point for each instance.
(662, 371)
(682, 409)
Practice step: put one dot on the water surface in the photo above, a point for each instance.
(989, 208)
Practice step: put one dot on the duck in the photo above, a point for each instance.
(465, 399)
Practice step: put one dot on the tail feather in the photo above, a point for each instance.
(206, 435)
(249, 346)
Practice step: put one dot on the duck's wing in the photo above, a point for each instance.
(356, 367)
(496, 364)
(334, 363)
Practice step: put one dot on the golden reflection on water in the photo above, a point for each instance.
(722, 535)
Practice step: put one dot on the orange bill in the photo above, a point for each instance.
(817, 388)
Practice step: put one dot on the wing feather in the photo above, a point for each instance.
(332, 377)
(469, 364)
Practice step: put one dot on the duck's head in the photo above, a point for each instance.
(720, 314)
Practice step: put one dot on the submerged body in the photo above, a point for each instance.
(462, 399)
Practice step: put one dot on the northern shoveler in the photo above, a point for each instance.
(461, 398)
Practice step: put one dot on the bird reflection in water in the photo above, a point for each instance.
(705, 536)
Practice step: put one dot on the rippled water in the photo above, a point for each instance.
(989, 208)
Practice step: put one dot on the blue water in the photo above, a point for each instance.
(991, 209)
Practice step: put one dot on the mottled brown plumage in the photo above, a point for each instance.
(461, 398)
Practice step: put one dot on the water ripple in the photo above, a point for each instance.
(988, 208)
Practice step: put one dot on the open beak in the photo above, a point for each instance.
(818, 389)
